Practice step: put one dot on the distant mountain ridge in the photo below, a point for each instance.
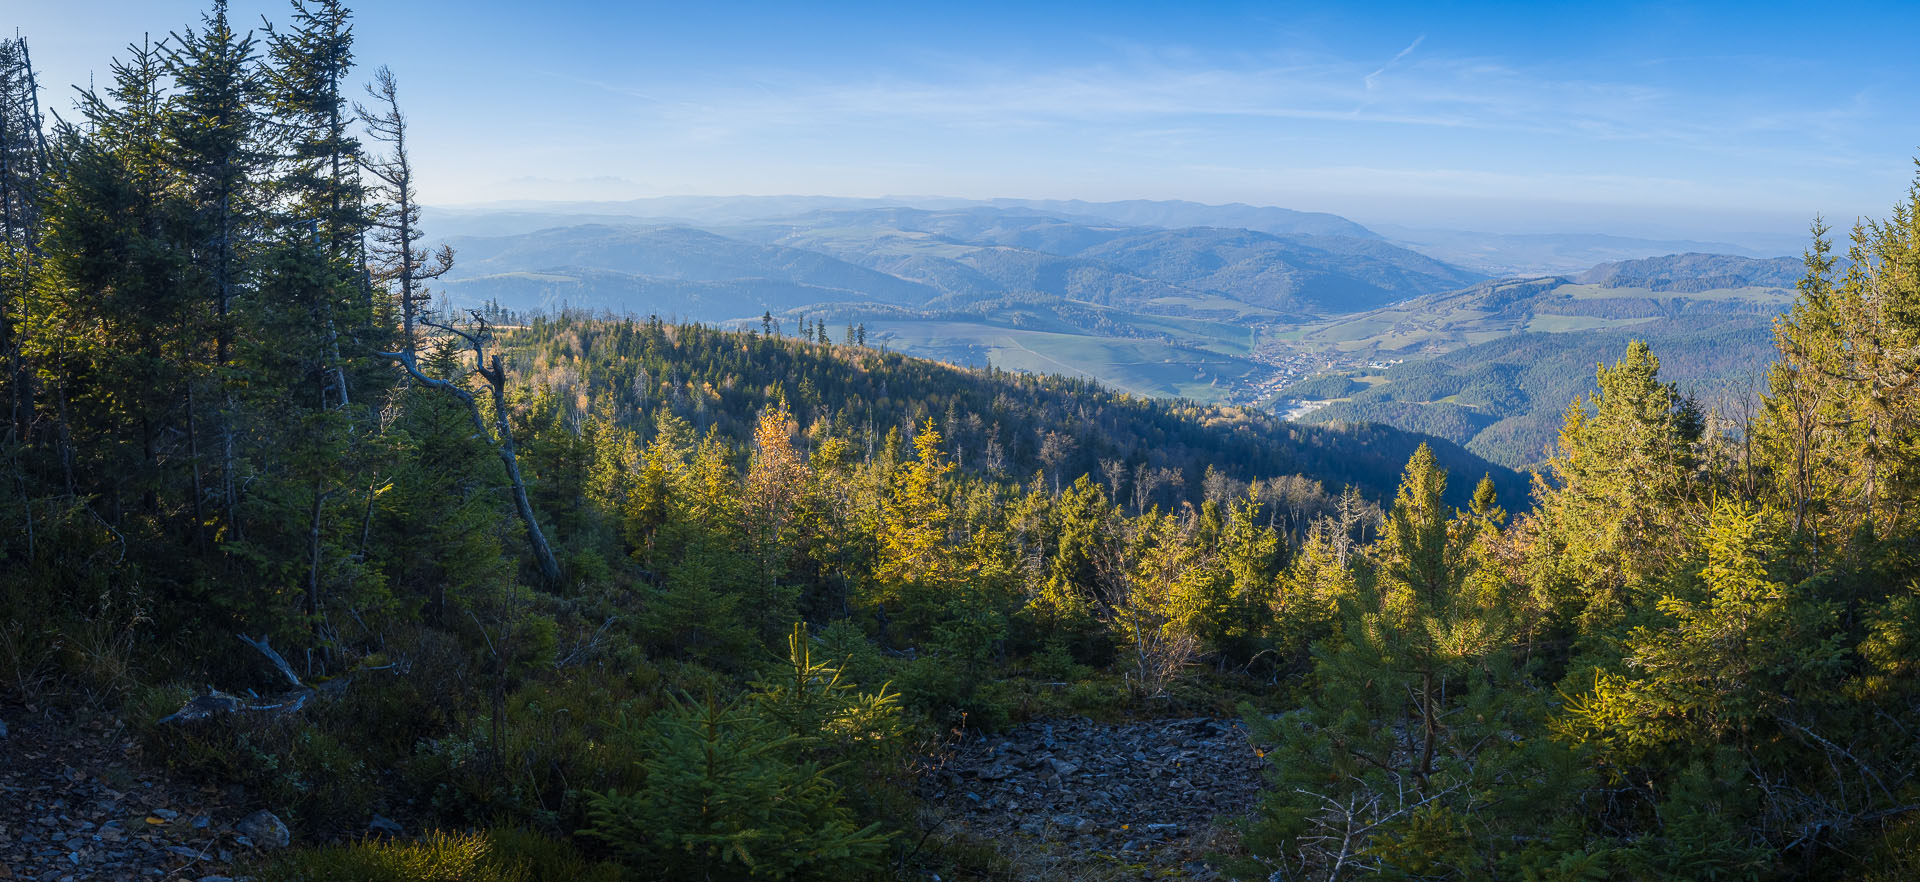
(1158, 298)
(906, 256)
(1532, 254)
(525, 216)
(1178, 213)
(1693, 273)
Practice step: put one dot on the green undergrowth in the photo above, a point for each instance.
(504, 855)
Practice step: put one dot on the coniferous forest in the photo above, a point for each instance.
(603, 597)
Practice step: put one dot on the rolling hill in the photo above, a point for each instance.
(1551, 253)
(1694, 273)
(1124, 294)
(1493, 366)
(1150, 310)
(678, 253)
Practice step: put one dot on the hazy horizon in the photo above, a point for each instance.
(1659, 120)
(1756, 241)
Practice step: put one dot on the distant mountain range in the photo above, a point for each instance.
(1171, 214)
(1487, 253)
(1527, 254)
(1226, 303)
(903, 256)
(523, 216)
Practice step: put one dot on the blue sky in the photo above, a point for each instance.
(1651, 119)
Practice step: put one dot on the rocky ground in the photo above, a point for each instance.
(1063, 799)
(1075, 799)
(76, 805)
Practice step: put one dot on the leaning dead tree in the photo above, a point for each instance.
(398, 262)
(490, 368)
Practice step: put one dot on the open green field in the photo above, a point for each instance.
(1558, 324)
(1213, 303)
(1223, 337)
(1140, 367)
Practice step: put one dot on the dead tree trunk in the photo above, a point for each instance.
(406, 268)
(491, 369)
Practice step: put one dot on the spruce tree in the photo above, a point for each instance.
(1613, 500)
(212, 136)
(1421, 753)
(314, 119)
(23, 172)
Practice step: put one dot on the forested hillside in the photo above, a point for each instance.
(1505, 399)
(998, 424)
(488, 596)
(1694, 273)
(1492, 367)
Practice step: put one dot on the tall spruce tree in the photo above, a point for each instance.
(212, 143)
(115, 323)
(1617, 496)
(1419, 755)
(321, 183)
(23, 170)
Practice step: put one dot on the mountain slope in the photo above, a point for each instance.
(1322, 274)
(1493, 366)
(678, 253)
(1505, 399)
(987, 415)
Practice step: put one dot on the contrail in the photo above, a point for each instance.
(1396, 59)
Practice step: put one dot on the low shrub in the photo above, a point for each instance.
(500, 856)
(724, 799)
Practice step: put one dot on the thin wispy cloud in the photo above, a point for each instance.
(1373, 79)
(1539, 103)
(1440, 92)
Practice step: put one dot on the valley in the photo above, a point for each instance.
(1522, 521)
(1224, 304)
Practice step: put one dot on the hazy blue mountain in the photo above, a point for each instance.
(506, 218)
(976, 253)
(1323, 274)
(943, 258)
(679, 253)
(920, 227)
(1520, 254)
(980, 251)
(1175, 213)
